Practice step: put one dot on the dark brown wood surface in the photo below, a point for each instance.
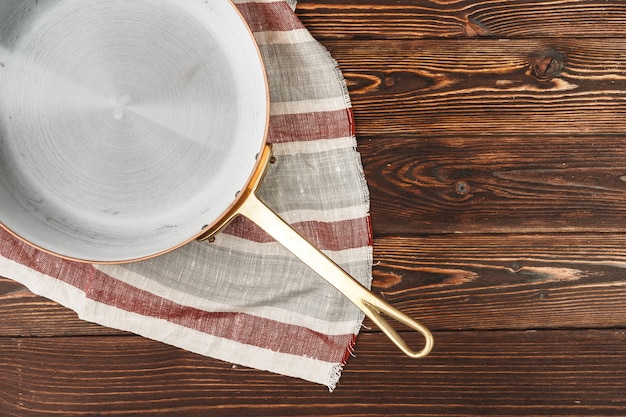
(493, 139)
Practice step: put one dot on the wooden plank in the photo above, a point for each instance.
(449, 282)
(571, 373)
(502, 184)
(492, 134)
(506, 281)
(429, 88)
(411, 19)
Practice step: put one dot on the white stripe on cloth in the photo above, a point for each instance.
(313, 146)
(279, 37)
(291, 3)
(309, 106)
(335, 215)
(44, 285)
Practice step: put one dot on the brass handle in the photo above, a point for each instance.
(374, 307)
(255, 210)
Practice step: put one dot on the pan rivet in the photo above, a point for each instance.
(272, 160)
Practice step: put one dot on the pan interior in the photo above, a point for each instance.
(125, 126)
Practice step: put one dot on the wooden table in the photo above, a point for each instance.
(492, 135)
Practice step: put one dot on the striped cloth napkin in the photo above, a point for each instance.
(243, 298)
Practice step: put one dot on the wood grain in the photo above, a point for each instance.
(493, 139)
(506, 281)
(470, 373)
(491, 87)
(506, 184)
(411, 19)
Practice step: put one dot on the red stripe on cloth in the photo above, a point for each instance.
(370, 231)
(334, 236)
(309, 126)
(263, 17)
(351, 121)
(236, 326)
(76, 274)
(105, 289)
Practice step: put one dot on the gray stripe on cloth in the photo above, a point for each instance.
(299, 72)
(321, 181)
(241, 280)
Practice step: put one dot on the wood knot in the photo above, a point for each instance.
(473, 28)
(385, 279)
(462, 188)
(547, 65)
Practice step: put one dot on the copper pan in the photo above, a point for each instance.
(104, 153)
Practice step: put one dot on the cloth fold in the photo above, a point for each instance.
(243, 298)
